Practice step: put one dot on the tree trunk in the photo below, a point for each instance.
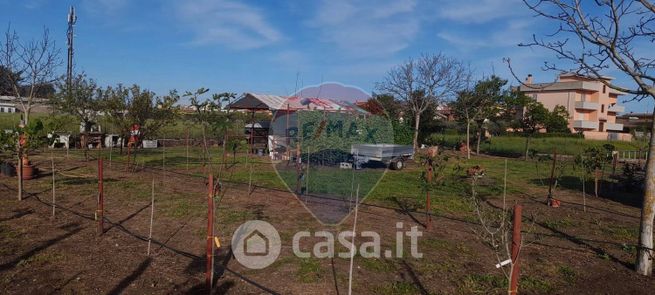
(644, 264)
(477, 145)
(527, 146)
(468, 139)
(20, 174)
(26, 116)
(417, 120)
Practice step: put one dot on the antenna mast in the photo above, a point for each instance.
(72, 19)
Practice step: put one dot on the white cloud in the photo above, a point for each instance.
(514, 32)
(231, 23)
(479, 11)
(366, 28)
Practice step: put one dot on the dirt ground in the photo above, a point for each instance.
(567, 250)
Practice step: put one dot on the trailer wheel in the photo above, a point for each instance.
(397, 164)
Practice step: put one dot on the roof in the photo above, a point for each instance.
(559, 86)
(252, 101)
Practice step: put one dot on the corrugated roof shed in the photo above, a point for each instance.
(252, 101)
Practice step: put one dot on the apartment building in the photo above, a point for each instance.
(592, 105)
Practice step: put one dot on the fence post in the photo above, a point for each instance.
(101, 198)
(209, 271)
(428, 201)
(152, 213)
(516, 249)
(187, 149)
(552, 179)
(52, 162)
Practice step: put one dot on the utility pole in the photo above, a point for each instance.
(72, 19)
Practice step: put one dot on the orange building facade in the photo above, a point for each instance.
(592, 105)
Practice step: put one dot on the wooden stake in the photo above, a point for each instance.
(20, 175)
(309, 159)
(209, 270)
(101, 198)
(288, 140)
(250, 181)
(187, 149)
(111, 149)
(52, 162)
(152, 213)
(428, 209)
(552, 178)
(352, 249)
(516, 249)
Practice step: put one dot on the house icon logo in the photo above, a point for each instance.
(256, 244)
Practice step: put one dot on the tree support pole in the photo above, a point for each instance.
(209, 271)
(101, 198)
(428, 201)
(52, 162)
(152, 213)
(551, 183)
(516, 249)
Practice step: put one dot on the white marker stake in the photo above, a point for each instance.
(352, 249)
(503, 263)
(152, 213)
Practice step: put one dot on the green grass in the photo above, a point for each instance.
(515, 145)
(621, 233)
(309, 270)
(41, 259)
(375, 264)
(567, 273)
(398, 288)
(560, 223)
(482, 284)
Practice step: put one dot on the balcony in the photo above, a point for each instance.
(613, 127)
(582, 124)
(616, 109)
(586, 105)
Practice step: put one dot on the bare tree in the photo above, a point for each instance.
(424, 82)
(29, 67)
(497, 228)
(597, 36)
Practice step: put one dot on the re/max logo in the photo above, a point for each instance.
(334, 128)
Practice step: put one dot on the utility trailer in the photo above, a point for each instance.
(392, 155)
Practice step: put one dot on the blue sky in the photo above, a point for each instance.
(262, 46)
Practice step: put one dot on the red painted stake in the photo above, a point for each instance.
(101, 198)
(516, 247)
(210, 233)
(428, 222)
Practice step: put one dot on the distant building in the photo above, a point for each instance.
(639, 124)
(8, 104)
(592, 105)
(444, 112)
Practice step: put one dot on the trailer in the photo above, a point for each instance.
(391, 155)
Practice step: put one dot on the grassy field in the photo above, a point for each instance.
(514, 146)
(393, 186)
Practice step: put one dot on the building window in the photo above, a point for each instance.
(2, 110)
(602, 108)
(604, 88)
(534, 96)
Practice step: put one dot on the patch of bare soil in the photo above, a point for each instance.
(569, 251)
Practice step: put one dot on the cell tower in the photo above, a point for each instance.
(72, 19)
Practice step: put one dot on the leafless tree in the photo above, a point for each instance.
(28, 66)
(496, 230)
(593, 37)
(424, 82)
